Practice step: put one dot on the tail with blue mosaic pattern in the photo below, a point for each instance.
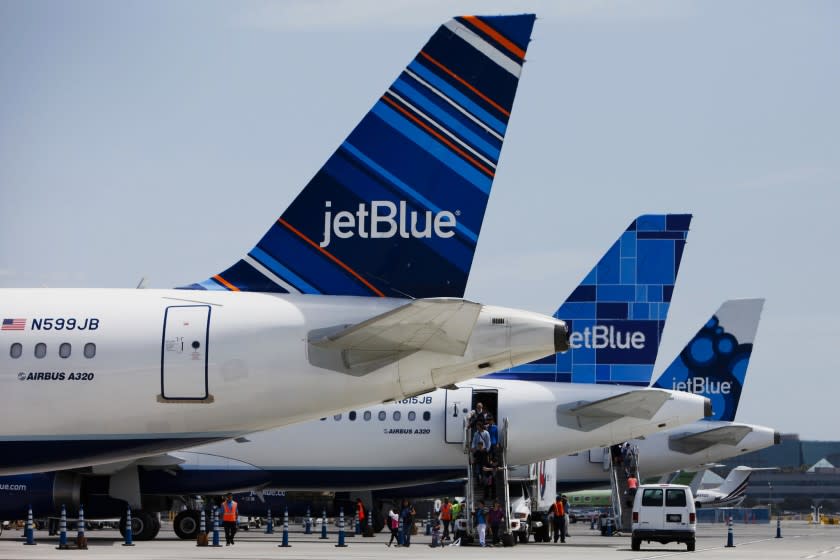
(714, 363)
(617, 313)
(396, 211)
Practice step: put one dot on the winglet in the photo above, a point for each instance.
(714, 363)
(397, 209)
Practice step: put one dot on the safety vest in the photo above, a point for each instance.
(456, 510)
(632, 482)
(361, 510)
(446, 512)
(231, 511)
(558, 508)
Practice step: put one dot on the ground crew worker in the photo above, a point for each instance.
(558, 510)
(632, 486)
(230, 518)
(360, 511)
(446, 518)
(456, 511)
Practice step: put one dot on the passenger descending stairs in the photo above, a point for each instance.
(475, 486)
(618, 485)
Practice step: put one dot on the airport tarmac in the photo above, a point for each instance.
(800, 540)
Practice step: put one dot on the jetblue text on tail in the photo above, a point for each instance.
(384, 220)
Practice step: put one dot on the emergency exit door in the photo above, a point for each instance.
(458, 406)
(183, 365)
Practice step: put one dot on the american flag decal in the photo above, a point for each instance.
(13, 325)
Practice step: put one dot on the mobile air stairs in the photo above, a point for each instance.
(621, 465)
(475, 491)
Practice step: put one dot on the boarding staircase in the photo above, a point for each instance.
(619, 470)
(475, 487)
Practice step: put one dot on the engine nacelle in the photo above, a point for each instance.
(46, 492)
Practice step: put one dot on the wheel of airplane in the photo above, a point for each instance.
(186, 524)
(155, 526)
(143, 526)
(378, 520)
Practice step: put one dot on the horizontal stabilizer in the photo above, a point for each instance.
(693, 443)
(588, 416)
(443, 326)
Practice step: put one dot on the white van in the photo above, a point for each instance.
(664, 513)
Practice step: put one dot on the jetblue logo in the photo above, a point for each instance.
(384, 220)
(603, 336)
(702, 386)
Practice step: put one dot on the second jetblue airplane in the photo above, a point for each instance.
(99, 375)
(713, 364)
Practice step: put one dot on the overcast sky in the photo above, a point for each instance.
(162, 139)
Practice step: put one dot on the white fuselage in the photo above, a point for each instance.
(169, 368)
(591, 468)
(421, 439)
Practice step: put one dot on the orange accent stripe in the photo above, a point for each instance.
(440, 137)
(331, 257)
(464, 82)
(498, 37)
(225, 283)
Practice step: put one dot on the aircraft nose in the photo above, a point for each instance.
(561, 337)
(707, 408)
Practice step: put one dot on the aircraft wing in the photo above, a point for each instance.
(692, 443)
(588, 416)
(438, 325)
(164, 460)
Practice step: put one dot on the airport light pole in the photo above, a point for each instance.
(770, 503)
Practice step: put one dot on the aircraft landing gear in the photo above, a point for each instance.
(188, 522)
(145, 526)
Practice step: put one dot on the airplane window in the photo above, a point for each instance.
(427, 416)
(16, 350)
(40, 350)
(397, 415)
(337, 417)
(324, 418)
(64, 350)
(382, 415)
(367, 415)
(412, 416)
(90, 350)
(352, 416)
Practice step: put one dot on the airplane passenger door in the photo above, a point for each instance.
(183, 364)
(600, 455)
(458, 403)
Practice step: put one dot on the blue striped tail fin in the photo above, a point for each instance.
(714, 363)
(397, 209)
(617, 314)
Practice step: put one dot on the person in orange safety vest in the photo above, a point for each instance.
(230, 517)
(446, 517)
(558, 512)
(360, 511)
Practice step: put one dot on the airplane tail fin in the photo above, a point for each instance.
(617, 313)
(397, 209)
(714, 363)
(735, 483)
